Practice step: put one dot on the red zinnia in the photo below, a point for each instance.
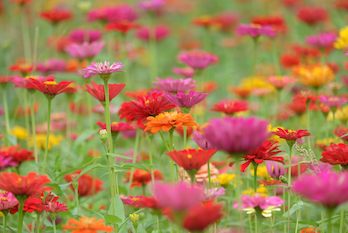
(191, 159)
(56, 15)
(142, 177)
(50, 88)
(312, 15)
(22, 185)
(23, 68)
(230, 107)
(276, 21)
(98, 91)
(291, 135)
(336, 154)
(297, 106)
(200, 217)
(340, 132)
(123, 26)
(33, 203)
(306, 52)
(116, 127)
(18, 156)
(264, 152)
(289, 60)
(145, 106)
(147, 202)
(87, 184)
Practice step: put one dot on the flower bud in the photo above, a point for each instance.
(135, 220)
(283, 179)
(103, 135)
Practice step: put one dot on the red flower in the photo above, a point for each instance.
(50, 88)
(98, 91)
(307, 96)
(200, 217)
(291, 135)
(147, 202)
(56, 15)
(294, 169)
(191, 159)
(116, 126)
(230, 107)
(226, 21)
(312, 15)
(276, 21)
(18, 156)
(335, 154)
(22, 185)
(333, 66)
(145, 106)
(209, 86)
(33, 203)
(52, 206)
(142, 177)
(123, 26)
(269, 182)
(23, 68)
(265, 152)
(189, 130)
(339, 132)
(297, 106)
(306, 52)
(87, 184)
(289, 60)
(342, 4)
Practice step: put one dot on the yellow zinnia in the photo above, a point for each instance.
(315, 76)
(256, 82)
(19, 132)
(54, 140)
(340, 114)
(342, 40)
(225, 179)
(261, 171)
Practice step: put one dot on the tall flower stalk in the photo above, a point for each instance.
(7, 121)
(49, 101)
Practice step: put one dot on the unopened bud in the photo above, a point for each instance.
(135, 220)
(283, 179)
(103, 135)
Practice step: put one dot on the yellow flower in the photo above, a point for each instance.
(342, 40)
(324, 142)
(225, 179)
(19, 132)
(256, 82)
(249, 191)
(268, 211)
(261, 171)
(261, 190)
(315, 76)
(41, 141)
(340, 114)
(274, 137)
(1, 214)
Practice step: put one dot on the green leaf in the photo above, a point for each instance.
(57, 165)
(83, 137)
(93, 166)
(344, 135)
(95, 159)
(141, 229)
(112, 219)
(134, 165)
(297, 206)
(118, 207)
(119, 156)
(62, 174)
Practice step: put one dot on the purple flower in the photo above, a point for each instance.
(81, 73)
(332, 102)
(152, 5)
(236, 135)
(201, 141)
(187, 72)
(7, 201)
(175, 85)
(51, 65)
(321, 40)
(255, 30)
(6, 161)
(85, 35)
(259, 201)
(177, 197)
(198, 59)
(84, 50)
(212, 194)
(274, 169)
(320, 167)
(103, 68)
(327, 188)
(186, 100)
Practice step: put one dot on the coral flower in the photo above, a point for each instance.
(186, 72)
(116, 127)
(84, 50)
(175, 85)
(231, 107)
(18, 155)
(315, 76)
(227, 20)
(191, 159)
(145, 106)
(327, 188)
(255, 30)
(98, 91)
(202, 176)
(289, 60)
(238, 135)
(312, 15)
(280, 82)
(87, 225)
(147, 202)
(167, 120)
(241, 92)
(83, 35)
(270, 182)
(142, 177)
(22, 185)
(49, 88)
(205, 21)
(291, 135)
(88, 185)
(183, 100)
(23, 68)
(322, 40)
(202, 216)
(336, 154)
(123, 26)
(265, 152)
(103, 69)
(198, 59)
(161, 32)
(56, 15)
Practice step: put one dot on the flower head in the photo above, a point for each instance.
(87, 185)
(225, 179)
(103, 69)
(84, 50)
(280, 82)
(123, 26)
(336, 154)
(316, 76)
(175, 85)
(17, 155)
(255, 30)
(230, 107)
(152, 5)
(198, 59)
(274, 169)
(147, 202)
(86, 224)
(333, 101)
(116, 127)
(98, 91)
(312, 15)
(186, 100)
(201, 141)
(82, 35)
(322, 40)
(161, 32)
(56, 15)
(7, 201)
(142, 177)
(51, 65)
(291, 135)
(186, 72)
(49, 88)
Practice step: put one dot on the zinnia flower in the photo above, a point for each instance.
(291, 135)
(51, 65)
(316, 76)
(238, 135)
(274, 169)
(322, 40)
(333, 101)
(198, 59)
(142, 177)
(339, 132)
(312, 15)
(86, 224)
(145, 33)
(327, 188)
(152, 5)
(23, 68)
(17, 156)
(20, 185)
(116, 127)
(88, 185)
(123, 26)
(147, 202)
(7, 201)
(83, 35)
(201, 141)
(342, 39)
(255, 30)
(336, 154)
(186, 72)
(98, 91)
(230, 107)
(103, 69)
(175, 85)
(84, 50)
(280, 82)
(56, 15)
(167, 120)
(49, 88)
(186, 101)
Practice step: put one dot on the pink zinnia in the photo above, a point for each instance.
(152, 5)
(259, 201)
(186, 72)
(333, 101)
(85, 35)
(175, 85)
(103, 69)
(198, 59)
(255, 30)
(84, 50)
(161, 32)
(7, 201)
(280, 82)
(51, 65)
(22, 82)
(186, 100)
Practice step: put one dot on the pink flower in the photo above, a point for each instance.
(198, 59)
(186, 100)
(51, 65)
(187, 72)
(201, 141)
(116, 13)
(22, 82)
(174, 85)
(213, 194)
(161, 32)
(85, 35)
(7, 201)
(84, 50)
(280, 82)
(255, 30)
(152, 5)
(103, 68)
(259, 201)
(274, 169)
(333, 101)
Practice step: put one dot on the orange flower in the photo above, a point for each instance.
(167, 120)
(87, 225)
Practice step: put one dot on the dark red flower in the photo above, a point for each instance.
(335, 154)
(291, 135)
(56, 15)
(142, 177)
(98, 91)
(289, 60)
(18, 156)
(269, 182)
(340, 131)
(191, 159)
(116, 127)
(50, 88)
(123, 26)
(312, 15)
(22, 185)
(265, 152)
(88, 185)
(200, 217)
(145, 106)
(276, 21)
(230, 107)
(147, 202)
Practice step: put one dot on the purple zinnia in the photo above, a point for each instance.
(255, 30)
(274, 169)
(84, 50)
(103, 69)
(332, 102)
(319, 167)
(186, 72)
(175, 85)
(321, 40)
(177, 197)
(327, 188)
(236, 135)
(186, 100)
(201, 141)
(198, 59)
(152, 5)
(51, 65)
(85, 35)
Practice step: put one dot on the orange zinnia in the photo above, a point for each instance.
(87, 225)
(167, 120)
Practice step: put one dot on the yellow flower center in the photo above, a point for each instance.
(33, 77)
(50, 83)
(147, 101)
(189, 156)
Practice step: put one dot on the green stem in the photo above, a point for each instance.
(185, 136)
(42, 222)
(151, 159)
(77, 200)
(112, 191)
(341, 220)
(107, 114)
(135, 153)
(238, 190)
(158, 224)
(7, 121)
(89, 107)
(4, 224)
(329, 216)
(38, 222)
(164, 141)
(284, 210)
(26, 115)
(322, 225)
(25, 35)
(48, 132)
(153, 48)
(308, 119)
(275, 57)
(289, 185)
(255, 176)
(54, 226)
(171, 161)
(20, 214)
(33, 128)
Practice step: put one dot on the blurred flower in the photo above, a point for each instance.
(116, 127)
(294, 168)
(276, 21)
(55, 16)
(230, 107)
(322, 40)
(23, 68)
(212, 194)
(269, 182)
(88, 185)
(98, 91)
(205, 21)
(310, 230)
(85, 35)
(186, 72)
(315, 76)
(261, 172)
(84, 50)
(201, 141)
(198, 59)
(318, 167)
(280, 82)
(202, 176)
(289, 60)
(189, 130)
(54, 140)
(274, 169)
(161, 32)
(147, 202)
(17, 155)
(19, 132)
(154, 6)
(7, 201)
(142, 177)
(312, 15)
(323, 143)
(341, 131)
(336, 154)
(225, 179)
(241, 92)
(51, 65)
(184, 101)
(255, 30)
(342, 39)
(103, 69)
(123, 26)
(226, 20)
(333, 101)
(340, 114)
(174, 85)
(86, 224)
